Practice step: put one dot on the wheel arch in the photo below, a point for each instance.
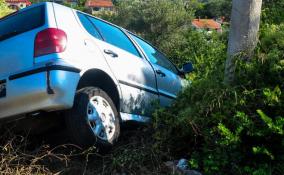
(100, 79)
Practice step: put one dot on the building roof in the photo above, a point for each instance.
(27, 2)
(206, 24)
(99, 3)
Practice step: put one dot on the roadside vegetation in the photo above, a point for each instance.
(220, 129)
(4, 10)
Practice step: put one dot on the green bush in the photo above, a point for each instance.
(272, 11)
(230, 130)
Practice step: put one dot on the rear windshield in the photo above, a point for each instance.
(21, 22)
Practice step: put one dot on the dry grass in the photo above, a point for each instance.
(134, 154)
(17, 156)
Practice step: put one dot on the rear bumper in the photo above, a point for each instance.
(47, 88)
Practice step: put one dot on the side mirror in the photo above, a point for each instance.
(187, 68)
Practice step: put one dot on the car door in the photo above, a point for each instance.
(134, 74)
(168, 81)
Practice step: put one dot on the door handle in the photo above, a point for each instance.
(161, 73)
(110, 52)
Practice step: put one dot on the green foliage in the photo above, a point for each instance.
(198, 47)
(272, 11)
(215, 9)
(4, 10)
(80, 6)
(229, 130)
(158, 21)
(273, 40)
(275, 126)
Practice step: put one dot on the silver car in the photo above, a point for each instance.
(54, 58)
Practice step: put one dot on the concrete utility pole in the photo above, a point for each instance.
(243, 38)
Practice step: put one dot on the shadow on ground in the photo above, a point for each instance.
(51, 153)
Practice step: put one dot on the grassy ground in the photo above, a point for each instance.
(51, 154)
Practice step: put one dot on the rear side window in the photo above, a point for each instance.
(115, 36)
(21, 22)
(89, 26)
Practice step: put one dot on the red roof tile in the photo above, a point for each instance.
(19, 1)
(206, 24)
(99, 3)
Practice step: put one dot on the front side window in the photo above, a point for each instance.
(89, 26)
(114, 36)
(154, 55)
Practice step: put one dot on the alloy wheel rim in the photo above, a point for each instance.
(101, 118)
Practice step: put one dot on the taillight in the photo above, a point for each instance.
(49, 41)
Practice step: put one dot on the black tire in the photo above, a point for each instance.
(78, 125)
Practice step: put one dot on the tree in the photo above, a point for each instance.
(215, 9)
(154, 20)
(243, 37)
(4, 10)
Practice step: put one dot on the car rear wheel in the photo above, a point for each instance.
(93, 120)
